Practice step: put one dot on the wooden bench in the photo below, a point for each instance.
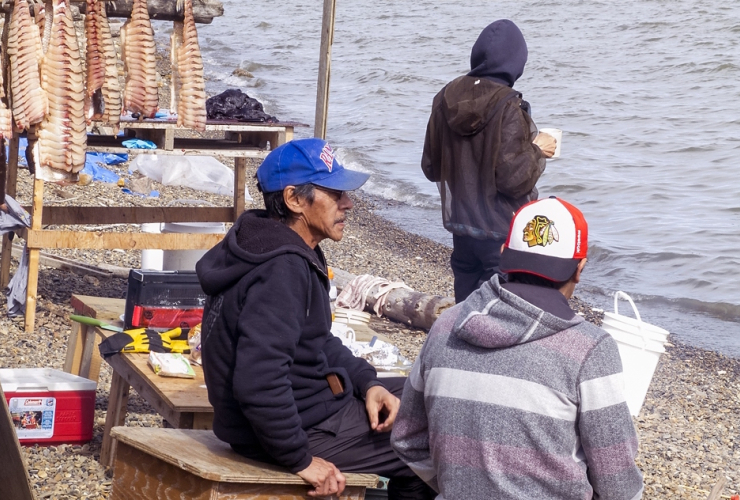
(175, 463)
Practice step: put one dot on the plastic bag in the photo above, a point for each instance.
(198, 172)
(98, 172)
(194, 343)
(170, 365)
(139, 144)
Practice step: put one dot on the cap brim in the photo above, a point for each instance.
(343, 180)
(546, 266)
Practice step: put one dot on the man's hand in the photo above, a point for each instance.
(382, 408)
(324, 477)
(546, 143)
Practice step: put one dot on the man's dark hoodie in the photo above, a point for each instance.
(478, 143)
(266, 340)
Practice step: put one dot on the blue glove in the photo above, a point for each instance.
(139, 144)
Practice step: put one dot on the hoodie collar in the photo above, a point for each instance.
(259, 238)
(493, 317)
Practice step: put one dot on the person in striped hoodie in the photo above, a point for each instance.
(515, 396)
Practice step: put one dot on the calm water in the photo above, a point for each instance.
(645, 91)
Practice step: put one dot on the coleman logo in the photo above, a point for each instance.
(578, 242)
(540, 231)
(327, 156)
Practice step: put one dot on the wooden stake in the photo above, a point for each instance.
(322, 90)
(33, 257)
(717, 490)
(240, 179)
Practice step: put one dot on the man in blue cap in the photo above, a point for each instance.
(284, 390)
(483, 151)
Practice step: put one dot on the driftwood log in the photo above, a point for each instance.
(162, 10)
(406, 306)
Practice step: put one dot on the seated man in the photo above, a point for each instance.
(284, 390)
(514, 395)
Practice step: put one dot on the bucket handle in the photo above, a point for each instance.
(623, 295)
(628, 299)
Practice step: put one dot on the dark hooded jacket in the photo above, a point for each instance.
(478, 144)
(266, 340)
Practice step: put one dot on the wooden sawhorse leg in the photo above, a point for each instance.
(116, 415)
(83, 357)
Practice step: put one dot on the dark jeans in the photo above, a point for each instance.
(346, 440)
(473, 263)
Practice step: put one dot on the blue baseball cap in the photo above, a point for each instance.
(306, 161)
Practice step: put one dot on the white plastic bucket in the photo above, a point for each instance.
(640, 352)
(655, 333)
(184, 260)
(151, 259)
(634, 326)
(351, 316)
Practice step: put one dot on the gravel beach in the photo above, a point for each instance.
(688, 426)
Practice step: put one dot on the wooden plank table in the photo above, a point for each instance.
(183, 403)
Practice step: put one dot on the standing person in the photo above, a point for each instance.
(284, 390)
(514, 395)
(483, 150)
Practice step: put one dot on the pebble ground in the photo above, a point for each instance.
(688, 426)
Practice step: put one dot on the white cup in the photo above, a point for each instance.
(558, 135)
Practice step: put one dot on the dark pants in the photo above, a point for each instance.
(473, 263)
(346, 440)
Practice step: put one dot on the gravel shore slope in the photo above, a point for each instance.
(688, 427)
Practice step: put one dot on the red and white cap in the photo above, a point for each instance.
(547, 238)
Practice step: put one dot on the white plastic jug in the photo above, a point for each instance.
(639, 350)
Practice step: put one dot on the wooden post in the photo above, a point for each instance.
(406, 306)
(13, 473)
(716, 492)
(322, 90)
(33, 257)
(240, 180)
(9, 177)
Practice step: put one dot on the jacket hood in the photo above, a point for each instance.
(253, 240)
(469, 103)
(494, 318)
(500, 53)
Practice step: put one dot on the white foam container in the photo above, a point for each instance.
(640, 346)
(184, 260)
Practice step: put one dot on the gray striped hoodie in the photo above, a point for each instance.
(507, 401)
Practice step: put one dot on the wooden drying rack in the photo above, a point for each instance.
(241, 141)
(238, 140)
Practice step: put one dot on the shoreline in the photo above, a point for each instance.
(686, 428)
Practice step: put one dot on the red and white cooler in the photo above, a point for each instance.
(49, 406)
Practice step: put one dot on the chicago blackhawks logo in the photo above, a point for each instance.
(540, 231)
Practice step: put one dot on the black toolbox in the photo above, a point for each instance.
(163, 299)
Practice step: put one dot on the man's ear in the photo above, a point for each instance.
(581, 265)
(294, 203)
